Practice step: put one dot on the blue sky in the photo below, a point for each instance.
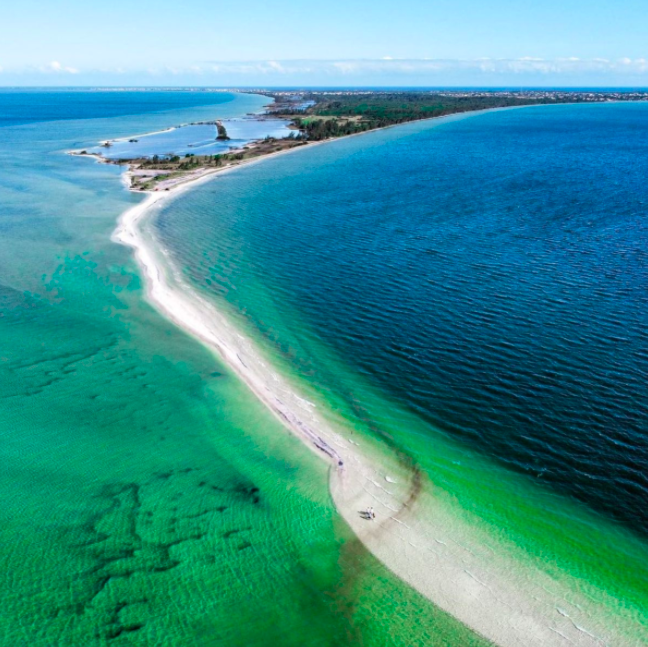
(253, 43)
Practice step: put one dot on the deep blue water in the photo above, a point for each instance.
(33, 106)
(488, 272)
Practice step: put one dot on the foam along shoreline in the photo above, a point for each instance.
(417, 535)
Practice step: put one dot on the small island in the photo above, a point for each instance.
(222, 131)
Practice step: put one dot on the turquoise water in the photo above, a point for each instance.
(472, 292)
(147, 498)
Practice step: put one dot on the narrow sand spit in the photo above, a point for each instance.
(421, 539)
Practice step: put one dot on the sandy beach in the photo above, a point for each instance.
(417, 535)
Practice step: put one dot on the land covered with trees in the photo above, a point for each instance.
(340, 113)
(222, 131)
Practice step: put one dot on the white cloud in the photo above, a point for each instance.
(348, 67)
(428, 71)
(57, 68)
(276, 67)
(392, 66)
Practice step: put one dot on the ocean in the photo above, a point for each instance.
(471, 291)
(147, 497)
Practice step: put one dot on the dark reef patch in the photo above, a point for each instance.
(136, 537)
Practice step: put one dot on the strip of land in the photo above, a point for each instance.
(420, 538)
(322, 116)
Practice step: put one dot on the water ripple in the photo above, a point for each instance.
(490, 274)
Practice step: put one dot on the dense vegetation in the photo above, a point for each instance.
(317, 129)
(336, 114)
(222, 132)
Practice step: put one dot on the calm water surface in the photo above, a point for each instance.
(487, 273)
(147, 498)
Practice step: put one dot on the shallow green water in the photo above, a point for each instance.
(147, 498)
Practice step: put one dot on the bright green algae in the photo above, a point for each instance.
(148, 498)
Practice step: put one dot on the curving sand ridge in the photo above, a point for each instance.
(438, 552)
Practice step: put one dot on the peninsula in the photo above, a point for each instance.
(325, 115)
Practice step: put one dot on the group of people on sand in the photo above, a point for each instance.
(371, 513)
